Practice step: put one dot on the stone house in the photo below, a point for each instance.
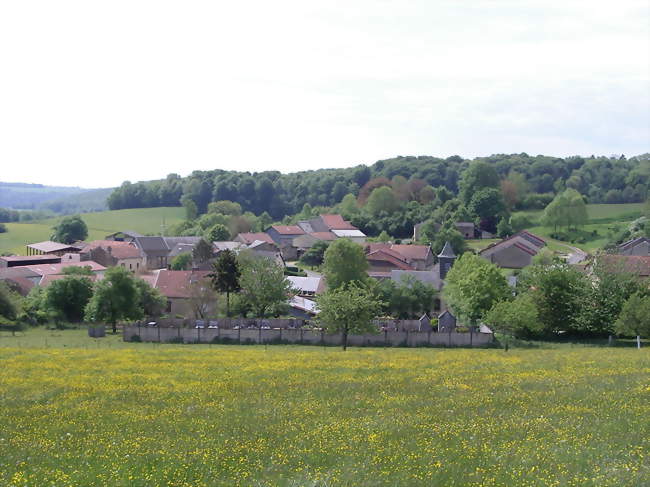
(515, 252)
(111, 253)
(467, 229)
(176, 287)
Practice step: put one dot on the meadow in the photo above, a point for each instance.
(147, 221)
(83, 412)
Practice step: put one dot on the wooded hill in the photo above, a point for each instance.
(538, 178)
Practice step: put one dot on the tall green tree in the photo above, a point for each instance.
(315, 255)
(70, 229)
(182, 261)
(116, 298)
(350, 308)
(518, 317)
(608, 290)
(477, 176)
(8, 302)
(345, 261)
(225, 275)
(150, 301)
(382, 199)
(217, 233)
(202, 252)
(559, 291)
(67, 298)
(473, 286)
(634, 319)
(263, 284)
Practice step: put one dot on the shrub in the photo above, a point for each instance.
(136, 338)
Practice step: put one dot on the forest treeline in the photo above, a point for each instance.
(599, 179)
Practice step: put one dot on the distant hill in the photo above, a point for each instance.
(88, 201)
(60, 199)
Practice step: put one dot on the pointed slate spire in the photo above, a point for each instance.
(447, 251)
(446, 259)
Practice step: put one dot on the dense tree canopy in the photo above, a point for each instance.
(531, 183)
(344, 262)
(70, 230)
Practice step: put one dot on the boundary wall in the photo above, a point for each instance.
(305, 337)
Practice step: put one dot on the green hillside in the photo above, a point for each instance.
(142, 220)
(605, 220)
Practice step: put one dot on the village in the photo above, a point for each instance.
(149, 258)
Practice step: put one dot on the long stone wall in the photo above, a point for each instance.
(304, 337)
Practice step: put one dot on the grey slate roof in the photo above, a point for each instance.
(152, 246)
(447, 251)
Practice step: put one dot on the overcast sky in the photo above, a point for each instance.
(93, 93)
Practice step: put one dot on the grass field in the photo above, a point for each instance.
(142, 220)
(109, 413)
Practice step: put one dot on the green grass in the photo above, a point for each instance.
(604, 219)
(142, 220)
(108, 413)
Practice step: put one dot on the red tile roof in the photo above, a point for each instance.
(389, 256)
(404, 252)
(288, 229)
(415, 252)
(47, 269)
(118, 249)
(177, 284)
(336, 222)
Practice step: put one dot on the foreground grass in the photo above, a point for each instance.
(100, 224)
(289, 416)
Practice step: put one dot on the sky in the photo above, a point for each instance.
(95, 93)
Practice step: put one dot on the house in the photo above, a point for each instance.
(307, 286)
(155, 251)
(40, 274)
(249, 238)
(419, 257)
(467, 229)
(283, 235)
(51, 248)
(515, 252)
(23, 260)
(639, 265)
(307, 241)
(113, 253)
(382, 261)
(267, 250)
(21, 279)
(176, 287)
(334, 224)
(125, 236)
(218, 247)
(636, 246)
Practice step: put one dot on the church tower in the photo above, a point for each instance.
(446, 259)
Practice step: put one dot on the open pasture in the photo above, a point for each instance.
(148, 415)
(142, 220)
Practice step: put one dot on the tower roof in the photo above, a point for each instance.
(447, 251)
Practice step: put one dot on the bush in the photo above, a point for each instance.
(3, 228)
(135, 338)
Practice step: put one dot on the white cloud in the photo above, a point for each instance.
(93, 94)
